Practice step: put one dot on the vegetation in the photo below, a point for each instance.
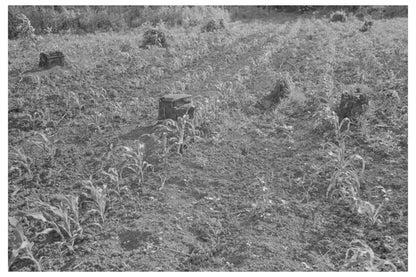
(97, 184)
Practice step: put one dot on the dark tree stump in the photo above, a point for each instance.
(213, 26)
(51, 59)
(281, 90)
(172, 106)
(154, 37)
(338, 17)
(353, 104)
(367, 25)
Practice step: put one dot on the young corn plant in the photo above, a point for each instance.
(62, 218)
(360, 256)
(20, 161)
(346, 177)
(116, 180)
(98, 196)
(134, 160)
(42, 141)
(369, 210)
(21, 246)
(174, 133)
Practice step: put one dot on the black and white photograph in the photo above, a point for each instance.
(215, 137)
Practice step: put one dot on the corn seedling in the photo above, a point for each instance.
(176, 130)
(18, 157)
(21, 246)
(162, 182)
(116, 180)
(64, 218)
(263, 201)
(42, 141)
(135, 159)
(99, 198)
(371, 211)
(346, 177)
(360, 256)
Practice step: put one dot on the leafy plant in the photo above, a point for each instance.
(360, 256)
(135, 159)
(174, 133)
(345, 177)
(116, 180)
(21, 246)
(21, 160)
(98, 196)
(371, 211)
(63, 218)
(42, 141)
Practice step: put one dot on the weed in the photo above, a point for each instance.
(360, 256)
(21, 246)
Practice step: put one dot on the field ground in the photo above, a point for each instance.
(249, 192)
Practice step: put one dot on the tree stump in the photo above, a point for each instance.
(154, 37)
(367, 25)
(51, 59)
(213, 26)
(172, 106)
(353, 104)
(281, 90)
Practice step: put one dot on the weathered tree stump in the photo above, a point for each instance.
(353, 104)
(367, 25)
(281, 90)
(338, 16)
(154, 37)
(172, 106)
(51, 59)
(213, 26)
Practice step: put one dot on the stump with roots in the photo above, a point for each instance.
(172, 106)
(367, 25)
(282, 89)
(154, 37)
(338, 16)
(353, 104)
(213, 26)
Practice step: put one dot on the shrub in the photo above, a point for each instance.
(175, 15)
(19, 26)
(338, 16)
